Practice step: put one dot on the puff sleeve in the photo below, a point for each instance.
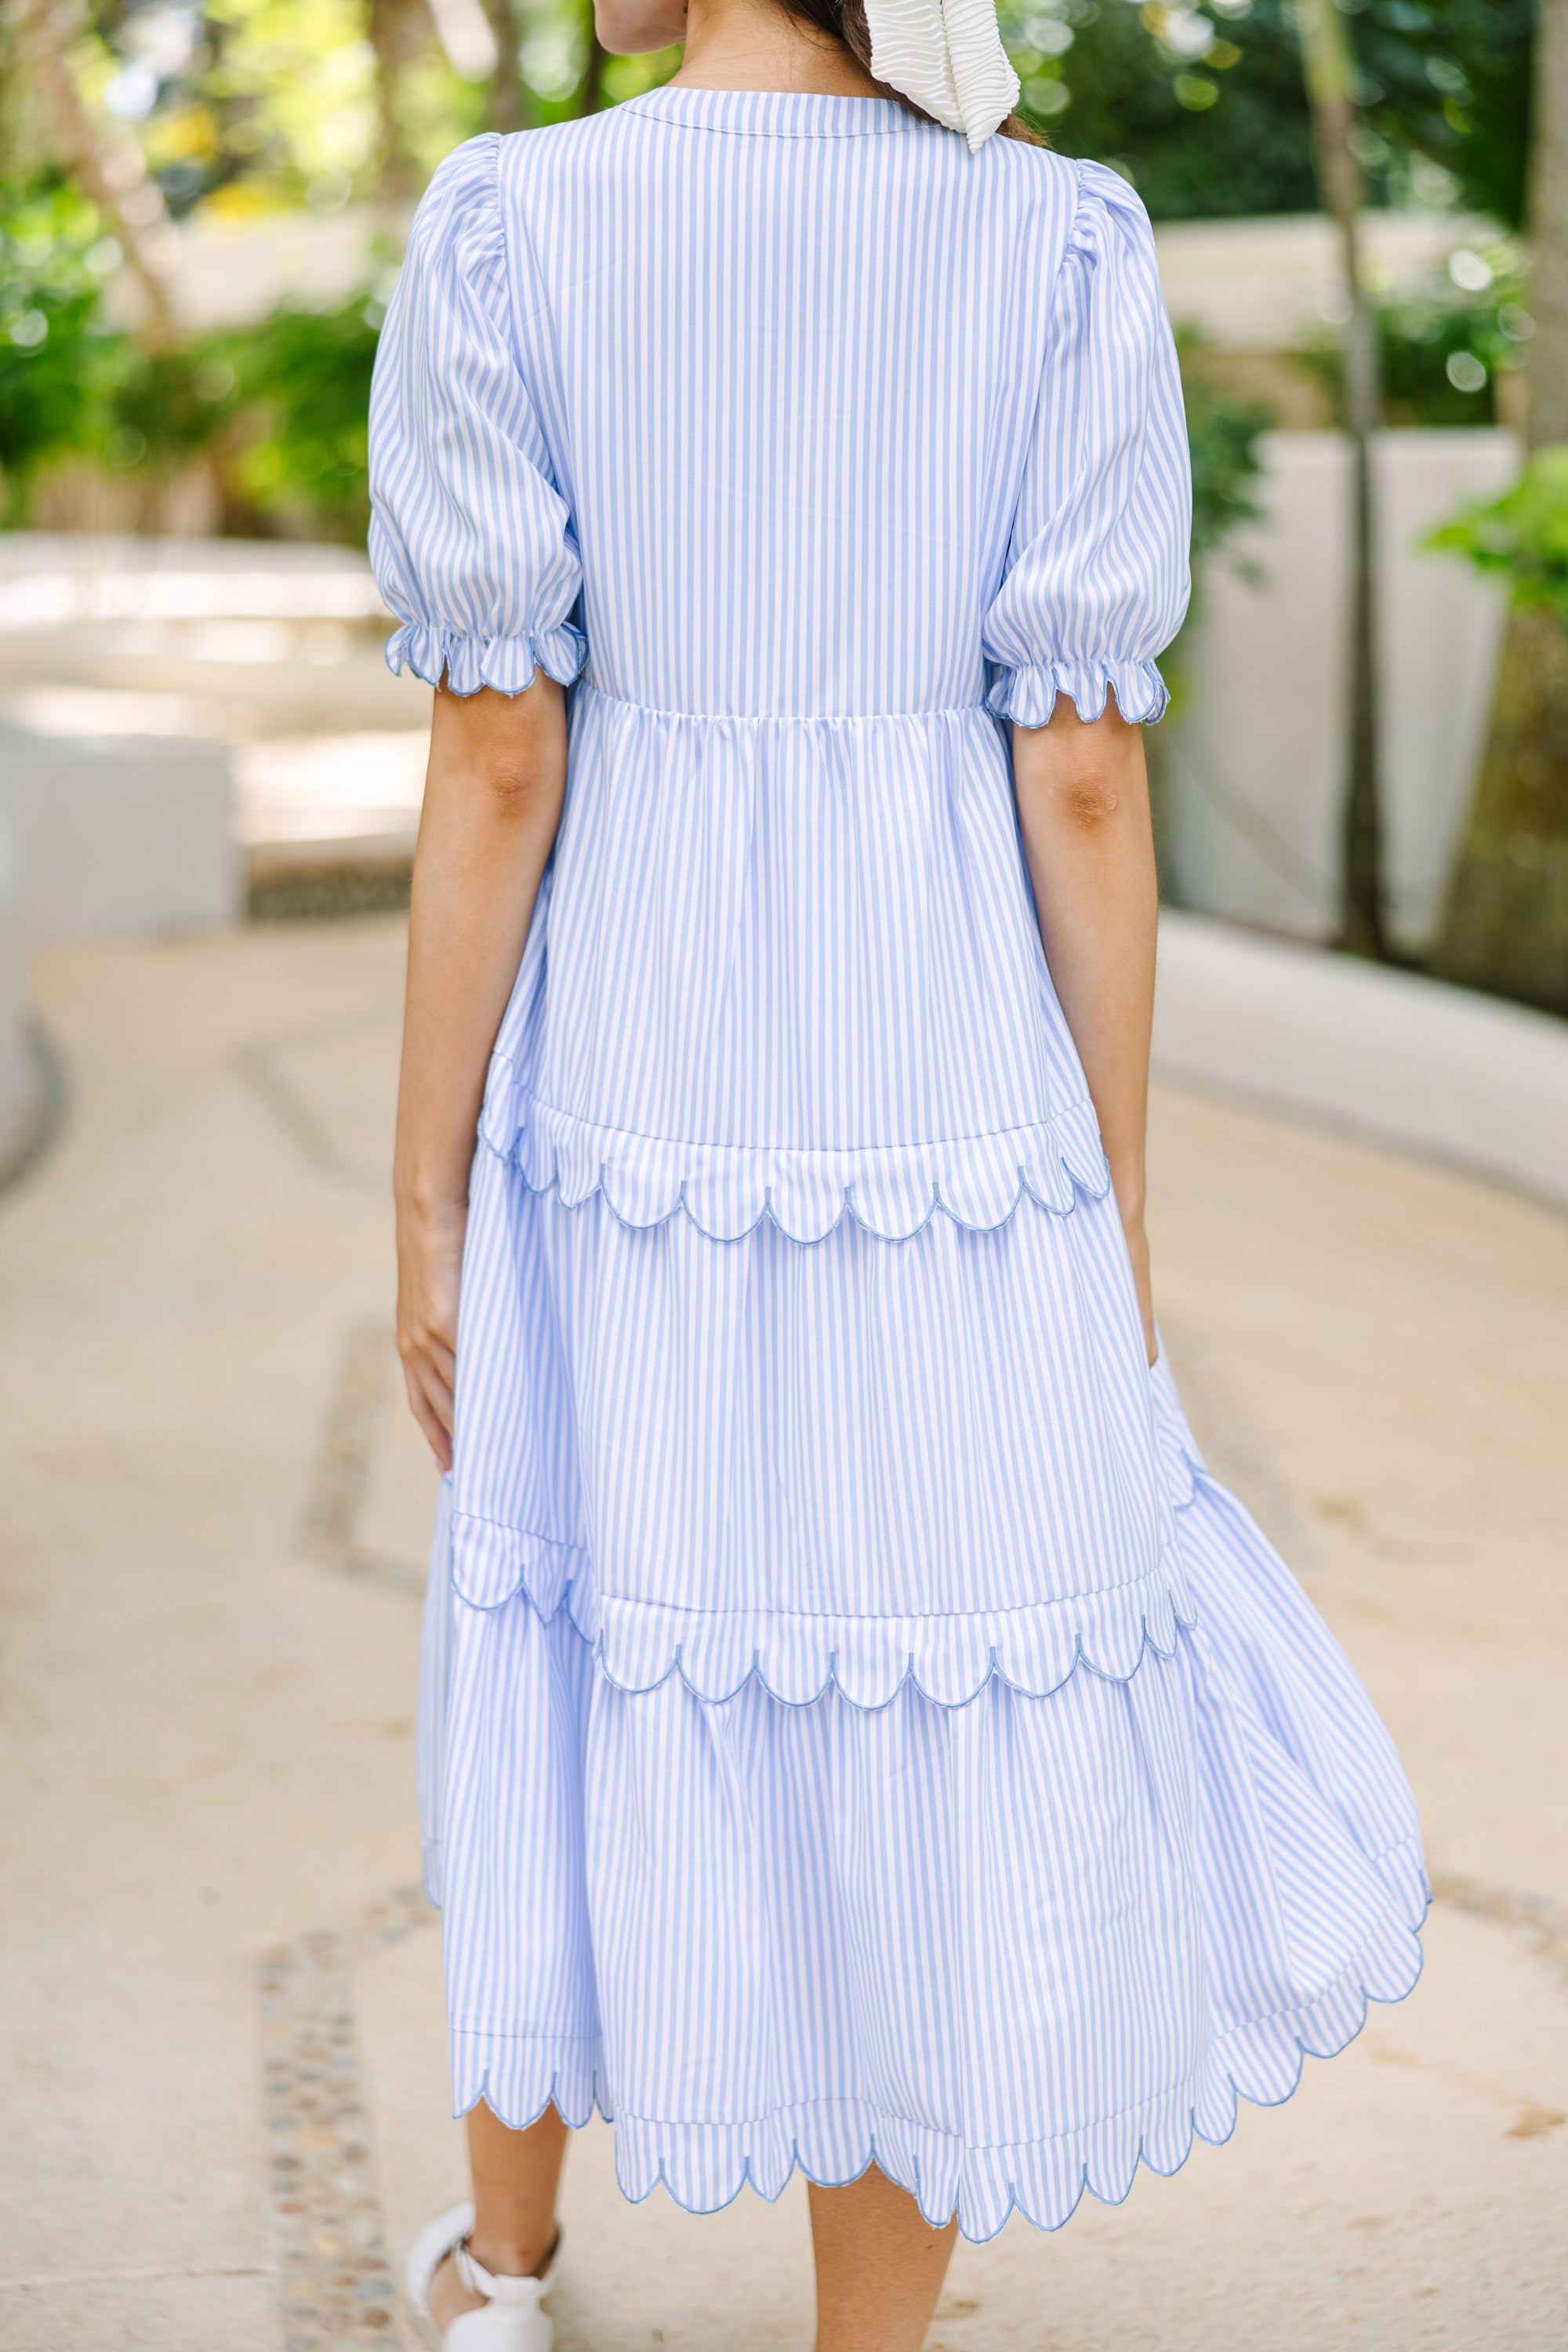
(470, 541)
(1097, 578)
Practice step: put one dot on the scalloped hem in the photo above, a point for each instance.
(893, 1190)
(704, 2165)
(469, 664)
(1027, 697)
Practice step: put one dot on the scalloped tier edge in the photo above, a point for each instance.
(797, 1658)
(1028, 696)
(726, 1190)
(507, 664)
(704, 2165)
(1035, 1648)
(540, 2070)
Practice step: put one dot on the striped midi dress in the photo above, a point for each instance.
(854, 1723)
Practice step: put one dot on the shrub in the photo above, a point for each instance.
(301, 393)
(1522, 535)
(58, 365)
(1222, 435)
(279, 409)
(1443, 345)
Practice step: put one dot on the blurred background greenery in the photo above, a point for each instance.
(173, 172)
(119, 118)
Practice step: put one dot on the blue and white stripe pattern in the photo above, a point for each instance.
(852, 1722)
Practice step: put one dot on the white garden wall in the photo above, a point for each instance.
(129, 834)
(1263, 283)
(1256, 762)
(1408, 1061)
(18, 1068)
(1269, 281)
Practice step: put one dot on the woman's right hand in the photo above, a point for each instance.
(429, 1264)
(1137, 1258)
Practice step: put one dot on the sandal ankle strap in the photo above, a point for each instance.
(499, 2287)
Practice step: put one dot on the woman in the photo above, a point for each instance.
(857, 1733)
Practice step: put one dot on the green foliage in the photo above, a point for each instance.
(1523, 535)
(301, 381)
(1446, 83)
(275, 103)
(1444, 345)
(159, 410)
(1204, 118)
(1204, 109)
(58, 367)
(1222, 433)
(250, 104)
(278, 408)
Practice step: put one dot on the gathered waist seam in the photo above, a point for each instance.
(1051, 1116)
(585, 684)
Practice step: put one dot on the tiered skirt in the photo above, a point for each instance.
(854, 1725)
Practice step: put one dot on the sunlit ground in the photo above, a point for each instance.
(212, 1520)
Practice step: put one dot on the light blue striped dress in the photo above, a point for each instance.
(854, 1723)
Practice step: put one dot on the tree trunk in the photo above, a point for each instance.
(509, 98)
(399, 31)
(108, 166)
(1547, 407)
(1330, 76)
(591, 91)
(1506, 925)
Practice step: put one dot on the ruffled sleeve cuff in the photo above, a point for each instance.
(1028, 696)
(508, 663)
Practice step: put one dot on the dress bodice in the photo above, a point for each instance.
(813, 447)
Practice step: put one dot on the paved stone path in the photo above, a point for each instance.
(220, 2019)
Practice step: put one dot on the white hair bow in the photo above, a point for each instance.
(947, 56)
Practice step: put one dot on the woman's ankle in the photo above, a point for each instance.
(511, 2256)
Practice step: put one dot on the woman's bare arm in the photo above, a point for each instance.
(493, 802)
(1083, 803)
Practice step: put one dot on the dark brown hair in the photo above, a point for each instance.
(845, 20)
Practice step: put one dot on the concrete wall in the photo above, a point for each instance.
(1409, 1062)
(1273, 281)
(18, 1070)
(1255, 766)
(130, 834)
(1256, 284)
(229, 273)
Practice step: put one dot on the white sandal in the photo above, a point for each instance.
(511, 2319)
